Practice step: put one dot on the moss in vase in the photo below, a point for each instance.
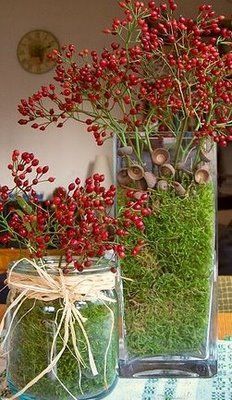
(31, 344)
(166, 304)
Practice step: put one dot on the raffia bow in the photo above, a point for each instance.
(46, 287)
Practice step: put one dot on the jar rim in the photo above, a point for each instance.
(51, 263)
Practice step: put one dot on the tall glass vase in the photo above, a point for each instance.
(169, 307)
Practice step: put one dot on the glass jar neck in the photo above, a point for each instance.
(54, 264)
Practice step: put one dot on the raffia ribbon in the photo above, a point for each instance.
(47, 287)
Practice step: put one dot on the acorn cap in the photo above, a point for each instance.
(135, 172)
(125, 151)
(160, 156)
(151, 179)
(202, 175)
(179, 189)
(123, 177)
(167, 170)
(162, 185)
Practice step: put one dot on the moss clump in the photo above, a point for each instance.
(167, 304)
(31, 342)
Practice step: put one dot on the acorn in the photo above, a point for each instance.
(123, 177)
(160, 156)
(162, 185)
(167, 170)
(179, 189)
(135, 172)
(151, 179)
(125, 151)
(202, 175)
(204, 157)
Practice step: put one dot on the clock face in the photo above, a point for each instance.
(33, 50)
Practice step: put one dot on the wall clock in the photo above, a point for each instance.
(33, 49)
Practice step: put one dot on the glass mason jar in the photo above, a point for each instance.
(38, 321)
(169, 308)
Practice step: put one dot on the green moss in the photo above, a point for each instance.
(31, 344)
(167, 304)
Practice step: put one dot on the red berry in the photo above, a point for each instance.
(71, 186)
(23, 121)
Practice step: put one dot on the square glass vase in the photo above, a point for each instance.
(169, 311)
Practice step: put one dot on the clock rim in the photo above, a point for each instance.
(18, 47)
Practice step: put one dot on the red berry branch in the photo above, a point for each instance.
(77, 221)
(160, 74)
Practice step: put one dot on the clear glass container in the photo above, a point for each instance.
(169, 307)
(32, 333)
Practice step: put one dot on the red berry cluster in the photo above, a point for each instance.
(26, 173)
(86, 228)
(18, 202)
(77, 221)
(160, 67)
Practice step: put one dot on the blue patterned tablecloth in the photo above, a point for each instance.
(216, 388)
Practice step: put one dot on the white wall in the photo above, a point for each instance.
(70, 150)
